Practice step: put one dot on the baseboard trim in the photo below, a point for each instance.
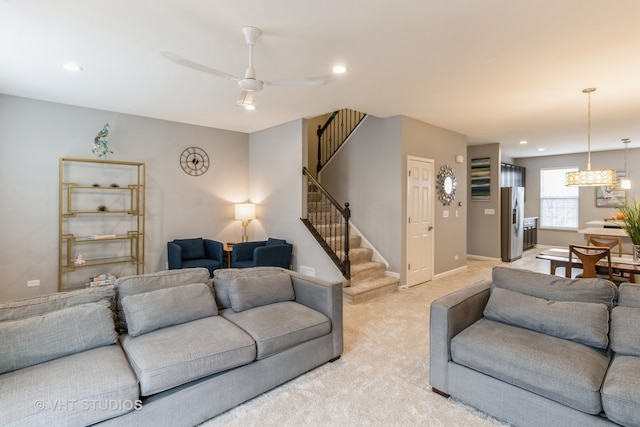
(450, 272)
(483, 258)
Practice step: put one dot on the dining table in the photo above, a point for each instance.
(559, 257)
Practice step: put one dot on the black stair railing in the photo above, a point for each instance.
(335, 132)
(328, 222)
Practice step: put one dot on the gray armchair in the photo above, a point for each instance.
(197, 252)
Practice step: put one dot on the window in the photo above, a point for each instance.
(558, 203)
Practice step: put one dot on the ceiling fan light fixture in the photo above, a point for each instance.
(590, 177)
(72, 67)
(249, 107)
(339, 69)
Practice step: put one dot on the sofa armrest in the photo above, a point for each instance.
(174, 256)
(449, 316)
(324, 297)
(213, 249)
(274, 255)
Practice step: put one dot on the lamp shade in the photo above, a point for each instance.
(591, 177)
(245, 211)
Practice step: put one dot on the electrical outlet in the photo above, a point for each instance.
(455, 258)
(32, 283)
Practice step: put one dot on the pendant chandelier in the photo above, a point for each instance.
(589, 177)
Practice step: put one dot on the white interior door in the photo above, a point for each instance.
(420, 191)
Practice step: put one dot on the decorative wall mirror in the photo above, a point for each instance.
(446, 185)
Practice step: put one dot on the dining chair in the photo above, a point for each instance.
(589, 257)
(605, 242)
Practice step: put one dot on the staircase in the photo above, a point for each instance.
(367, 279)
(328, 221)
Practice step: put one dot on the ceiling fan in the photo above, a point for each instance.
(248, 84)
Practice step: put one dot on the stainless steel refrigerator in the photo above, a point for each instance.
(511, 222)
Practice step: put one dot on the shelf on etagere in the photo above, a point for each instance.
(101, 261)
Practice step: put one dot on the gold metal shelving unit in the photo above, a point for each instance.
(102, 216)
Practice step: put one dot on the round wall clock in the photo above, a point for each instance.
(194, 161)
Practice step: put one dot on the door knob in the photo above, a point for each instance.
(430, 228)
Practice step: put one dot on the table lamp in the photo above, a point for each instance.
(245, 212)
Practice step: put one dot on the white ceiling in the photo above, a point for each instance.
(494, 70)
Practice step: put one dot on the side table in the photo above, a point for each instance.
(227, 248)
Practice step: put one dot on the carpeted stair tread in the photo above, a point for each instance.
(364, 291)
(366, 271)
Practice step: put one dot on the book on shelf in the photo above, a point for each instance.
(100, 283)
(100, 236)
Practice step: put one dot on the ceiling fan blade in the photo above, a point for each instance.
(174, 57)
(307, 81)
(245, 98)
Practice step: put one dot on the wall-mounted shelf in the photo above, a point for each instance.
(101, 216)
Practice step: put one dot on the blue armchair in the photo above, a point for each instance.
(271, 252)
(197, 252)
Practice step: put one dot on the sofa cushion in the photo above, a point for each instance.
(583, 322)
(563, 371)
(277, 327)
(255, 291)
(153, 310)
(625, 330)
(172, 356)
(629, 295)
(70, 391)
(133, 285)
(222, 279)
(191, 248)
(56, 334)
(621, 391)
(16, 310)
(554, 288)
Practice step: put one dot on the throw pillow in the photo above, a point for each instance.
(274, 242)
(249, 292)
(554, 288)
(149, 311)
(629, 295)
(191, 248)
(222, 280)
(625, 332)
(38, 339)
(582, 322)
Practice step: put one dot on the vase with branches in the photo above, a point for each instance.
(630, 223)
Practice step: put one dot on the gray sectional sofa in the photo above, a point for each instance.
(539, 350)
(169, 348)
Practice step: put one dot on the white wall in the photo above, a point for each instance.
(35, 134)
(276, 181)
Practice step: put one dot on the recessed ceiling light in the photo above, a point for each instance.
(339, 69)
(250, 107)
(523, 142)
(71, 66)
(541, 149)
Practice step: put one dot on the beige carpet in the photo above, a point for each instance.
(382, 378)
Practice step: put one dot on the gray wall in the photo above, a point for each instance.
(35, 134)
(588, 210)
(442, 145)
(366, 172)
(276, 158)
(483, 238)
(369, 172)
